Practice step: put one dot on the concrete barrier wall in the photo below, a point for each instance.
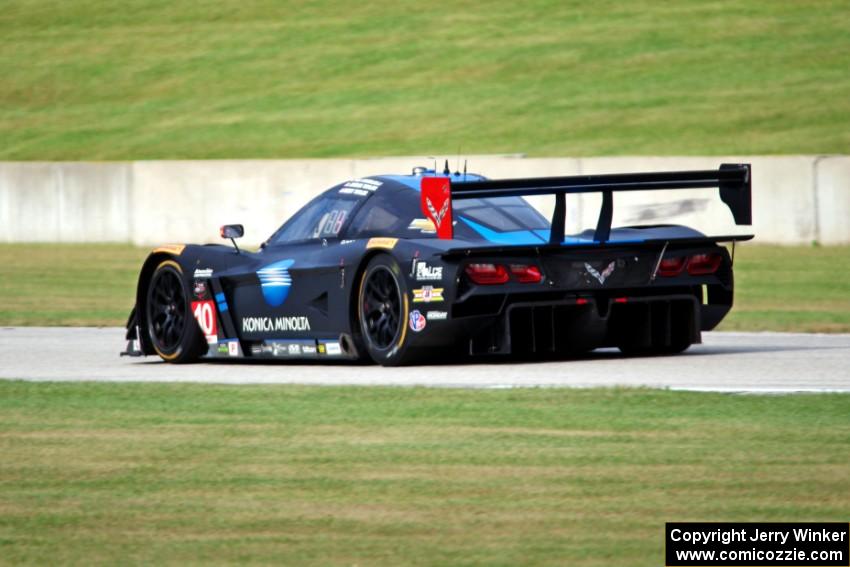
(796, 199)
(65, 202)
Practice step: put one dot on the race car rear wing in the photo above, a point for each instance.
(732, 180)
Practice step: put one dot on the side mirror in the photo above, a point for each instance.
(232, 231)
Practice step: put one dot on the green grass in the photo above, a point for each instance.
(778, 288)
(92, 80)
(145, 473)
(68, 284)
(781, 288)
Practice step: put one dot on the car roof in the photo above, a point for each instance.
(391, 184)
(414, 181)
(404, 187)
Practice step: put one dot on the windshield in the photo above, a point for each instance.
(323, 217)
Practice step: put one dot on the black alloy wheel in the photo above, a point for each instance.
(173, 332)
(380, 308)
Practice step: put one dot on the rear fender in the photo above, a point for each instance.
(354, 296)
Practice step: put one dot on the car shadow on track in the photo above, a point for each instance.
(461, 360)
(614, 354)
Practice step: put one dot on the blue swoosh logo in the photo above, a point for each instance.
(276, 281)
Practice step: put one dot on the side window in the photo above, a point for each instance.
(501, 213)
(374, 219)
(483, 212)
(397, 216)
(322, 218)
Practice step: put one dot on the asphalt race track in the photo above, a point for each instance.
(728, 362)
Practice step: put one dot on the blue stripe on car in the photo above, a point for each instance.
(221, 301)
(516, 237)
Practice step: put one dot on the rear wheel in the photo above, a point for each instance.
(382, 310)
(172, 330)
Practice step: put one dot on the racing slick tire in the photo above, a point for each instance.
(175, 335)
(382, 312)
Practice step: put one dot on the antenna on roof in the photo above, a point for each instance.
(464, 169)
(446, 170)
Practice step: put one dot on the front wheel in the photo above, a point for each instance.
(382, 309)
(172, 330)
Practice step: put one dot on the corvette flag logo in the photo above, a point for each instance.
(436, 196)
(601, 277)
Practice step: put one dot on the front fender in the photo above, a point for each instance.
(189, 257)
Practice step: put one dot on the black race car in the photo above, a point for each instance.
(407, 268)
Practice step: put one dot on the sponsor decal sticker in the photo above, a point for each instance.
(601, 277)
(175, 249)
(428, 294)
(230, 347)
(437, 315)
(380, 242)
(417, 321)
(204, 312)
(203, 272)
(269, 324)
(200, 289)
(275, 282)
(425, 226)
(333, 348)
(266, 348)
(345, 242)
(285, 348)
(424, 272)
(366, 185)
(321, 348)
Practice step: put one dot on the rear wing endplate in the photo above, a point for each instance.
(732, 180)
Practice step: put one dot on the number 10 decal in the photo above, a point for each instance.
(204, 312)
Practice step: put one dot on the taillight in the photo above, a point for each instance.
(703, 264)
(487, 274)
(526, 274)
(670, 267)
